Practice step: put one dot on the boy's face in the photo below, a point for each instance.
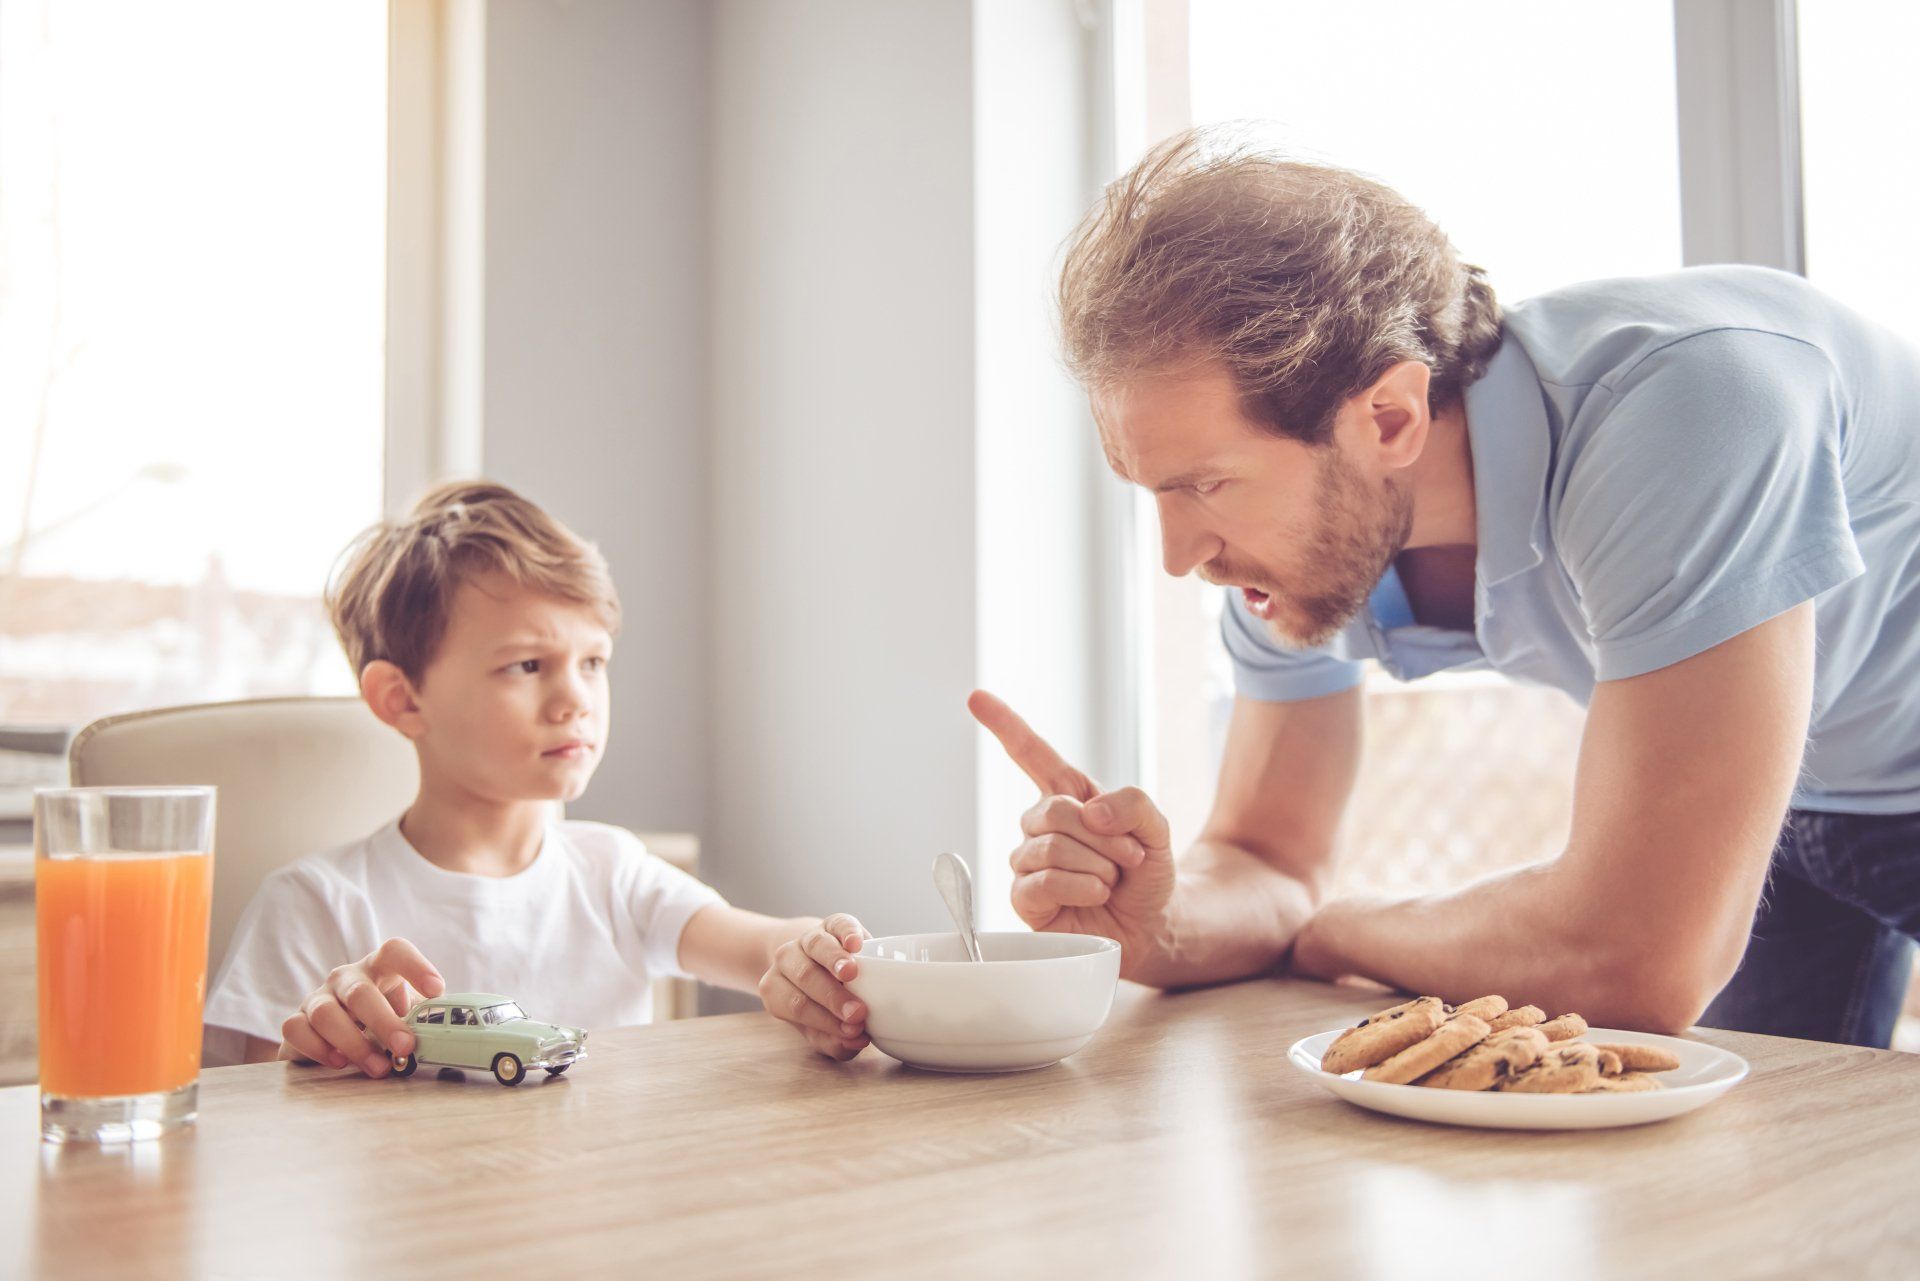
(514, 704)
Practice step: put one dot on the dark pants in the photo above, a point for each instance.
(1833, 941)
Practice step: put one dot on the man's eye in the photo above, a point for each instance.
(528, 665)
(1206, 487)
(595, 664)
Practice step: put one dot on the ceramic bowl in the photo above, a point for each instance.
(1035, 999)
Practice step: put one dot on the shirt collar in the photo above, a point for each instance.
(1512, 450)
(429, 877)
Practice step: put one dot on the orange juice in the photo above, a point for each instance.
(123, 971)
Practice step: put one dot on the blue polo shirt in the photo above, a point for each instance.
(1659, 465)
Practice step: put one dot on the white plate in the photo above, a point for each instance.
(1704, 1074)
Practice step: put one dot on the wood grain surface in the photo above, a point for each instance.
(1177, 1144)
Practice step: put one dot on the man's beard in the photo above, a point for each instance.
(1357, 536)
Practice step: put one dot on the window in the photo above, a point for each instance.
(1551, 151)
(193, 242)
(1545, 170)
(1547, 148)
(1861, 194)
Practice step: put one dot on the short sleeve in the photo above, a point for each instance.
(661, 899)
(286, 943)
(1268, 672)
(1707, 499)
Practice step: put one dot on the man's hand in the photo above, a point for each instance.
(356, 1015)
(805, 986)
(1092, 862)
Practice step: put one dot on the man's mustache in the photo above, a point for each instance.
(1228, 576)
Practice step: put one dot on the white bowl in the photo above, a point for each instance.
(1034, 1000)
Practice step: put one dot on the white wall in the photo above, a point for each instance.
(842, 396)
(767, 292)
(1039, 475)
(594, 389)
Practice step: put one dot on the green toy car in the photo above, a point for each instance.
(482, 1031)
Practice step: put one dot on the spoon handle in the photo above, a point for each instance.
(955, 883)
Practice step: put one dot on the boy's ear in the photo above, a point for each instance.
(390, 694)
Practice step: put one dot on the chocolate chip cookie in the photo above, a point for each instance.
(1381, 1036)
(1457, 1035)
(1500, 1056)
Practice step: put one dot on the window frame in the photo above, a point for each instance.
(1736, 70)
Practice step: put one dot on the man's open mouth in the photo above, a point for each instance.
(1259, 604)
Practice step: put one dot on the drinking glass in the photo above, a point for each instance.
(123, 886)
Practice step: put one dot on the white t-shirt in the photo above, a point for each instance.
(576, 938)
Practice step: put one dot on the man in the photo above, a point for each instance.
(1690, 501)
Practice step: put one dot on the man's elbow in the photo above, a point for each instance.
(1652, 993)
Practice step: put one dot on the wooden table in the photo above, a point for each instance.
(1178, 1144)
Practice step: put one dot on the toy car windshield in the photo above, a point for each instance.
(502, 1013)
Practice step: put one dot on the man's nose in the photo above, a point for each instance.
(1184, 544)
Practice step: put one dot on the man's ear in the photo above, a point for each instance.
(1396, 414)
(390, 694)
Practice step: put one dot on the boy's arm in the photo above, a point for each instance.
(797, 966)
(288, 938)
(260, 1051)
(732, 948)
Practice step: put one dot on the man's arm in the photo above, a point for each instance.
(1263, 860)
(1097, 862)
(1683, 779)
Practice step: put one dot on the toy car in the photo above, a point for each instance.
(482, 1031)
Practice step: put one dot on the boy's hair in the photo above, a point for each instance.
(1306, 281)
(392, 590)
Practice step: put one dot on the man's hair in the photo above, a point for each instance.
(1306, 281)
(392, 590)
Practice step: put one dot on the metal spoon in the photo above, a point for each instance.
(956, 887)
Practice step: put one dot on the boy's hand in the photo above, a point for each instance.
(356, 1015)
(805, 986)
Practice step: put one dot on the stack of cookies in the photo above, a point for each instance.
(1485, 1045)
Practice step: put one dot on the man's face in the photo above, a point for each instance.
(1305, 532)
(515, 702)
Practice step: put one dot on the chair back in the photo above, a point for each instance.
(295, 775)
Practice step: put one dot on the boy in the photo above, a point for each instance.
(481, 629)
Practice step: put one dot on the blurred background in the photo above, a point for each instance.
(756, 295)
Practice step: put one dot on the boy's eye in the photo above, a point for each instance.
(527, 665)
(1206, 487)
(595, 664)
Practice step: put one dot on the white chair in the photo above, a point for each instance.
(295, 775)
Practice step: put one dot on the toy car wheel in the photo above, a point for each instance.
(556, 1071)
(404, 1064)
(507, 1069)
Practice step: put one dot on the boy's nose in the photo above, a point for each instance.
(570, 701)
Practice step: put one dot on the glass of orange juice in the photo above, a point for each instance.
(123, 886)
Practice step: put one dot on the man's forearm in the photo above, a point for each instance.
(1232, 916)
(1517, 934)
